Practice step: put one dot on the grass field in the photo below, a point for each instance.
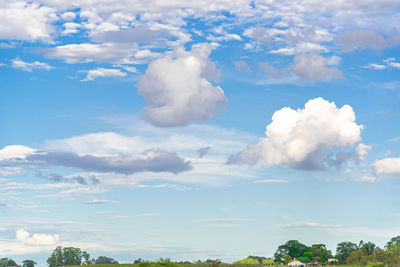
(200, 265)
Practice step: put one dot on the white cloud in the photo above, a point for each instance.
(394, 65)
(68, 16)
(362, 151)
(178, 90)
(375, 66)
(312, 67)
(308, 224)
(100, 201)
(301, 138)
(270, 181)
(367, 179)
(387, 166)
(15, 151)
(36, 239)
(333, 60)
(118, 53)
(70, 27)
(222, 222)
(300, 48)
(27, 66)
(366, 38)
(102, 72)
(28, 21)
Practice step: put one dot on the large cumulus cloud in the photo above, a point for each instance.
(178, 90)
(304, 138)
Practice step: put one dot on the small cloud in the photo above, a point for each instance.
(312, 67)
(26, 66)
(36, 239)
(203, 151)
(270, 181)
(333, 61)
(104, 73)
(387, 166)
(308, 224)
(100, 201)
(375, 66)
(242, 66)
(122, 217)
(222, 222)
(367, 179)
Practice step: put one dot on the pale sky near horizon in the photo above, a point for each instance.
(197, 129)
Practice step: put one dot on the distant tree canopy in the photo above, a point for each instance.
(291, 249)
(68, 256)
(28, 263)
(104, 260)
(7, 262)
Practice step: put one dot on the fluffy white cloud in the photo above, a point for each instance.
(36, 239)
(102, 72)
(177, 87)
(301, 138)
(29, 21)
(387, 166)
(362, 151)
(29, 66)
(15, 152)
(312, 67)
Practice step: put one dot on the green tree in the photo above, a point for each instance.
(358, 257)
(343, 251)
(368, 248)
(68, 256)
(7, 262)
(28, 263)
(105, 260)
(320, 252)
(291, 249)
(394, 242)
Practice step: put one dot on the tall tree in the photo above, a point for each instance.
(28, 263)
(67, 256)
(292, 248)
(343, 251)
(105, 260)
(394, 242)
(320, 251)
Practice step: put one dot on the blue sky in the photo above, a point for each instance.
(197, 129)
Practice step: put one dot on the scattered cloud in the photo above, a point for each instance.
(308, 224)
(203, 151)
(312, 67)
(178, 90)
(375, 66)
(102, 72)
(270, 181)
(367, 179)
(301, 138)
(242, 66)
(150, 160)
(27, 66)
(100, 201)
(222, 222)
(36, 239)
(366, 39)
(387, 166)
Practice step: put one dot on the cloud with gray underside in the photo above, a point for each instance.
(203, 151)
(151, 160)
